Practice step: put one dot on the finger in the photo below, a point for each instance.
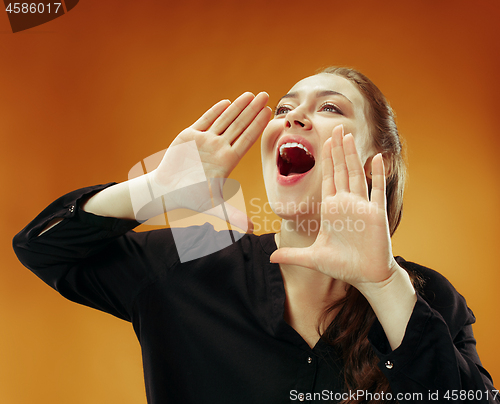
(231, 113)
(341, 178)
(356, 173)
(209, 117)
(378, 181)
(246, 117)
(252, 133)
(328, 184)
(293, 256)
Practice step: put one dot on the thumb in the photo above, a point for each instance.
(293, 256)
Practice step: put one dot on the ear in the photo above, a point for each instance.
(387, 166)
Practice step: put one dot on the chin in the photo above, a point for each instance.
(292, 205)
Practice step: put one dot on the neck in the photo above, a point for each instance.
(309, 293)
(298, 233)
(307, 284)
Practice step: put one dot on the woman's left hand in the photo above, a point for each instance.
(353, 243)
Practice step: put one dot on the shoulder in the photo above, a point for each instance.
(440, 295)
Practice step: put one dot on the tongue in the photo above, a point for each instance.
(294, 161)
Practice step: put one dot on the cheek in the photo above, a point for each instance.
(365, 149)
(363, 141)
(268, 139)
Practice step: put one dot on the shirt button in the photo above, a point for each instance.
(71, 208)
(309, 359)
(389, 365)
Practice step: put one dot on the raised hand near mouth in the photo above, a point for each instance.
(353, 244)
(206, 152)
(224, 134)
(194, 167)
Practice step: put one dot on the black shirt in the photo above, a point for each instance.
(212, 329)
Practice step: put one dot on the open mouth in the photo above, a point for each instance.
(294, 158)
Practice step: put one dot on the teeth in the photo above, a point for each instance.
(293, 144)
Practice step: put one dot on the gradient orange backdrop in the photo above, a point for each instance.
(86, 96)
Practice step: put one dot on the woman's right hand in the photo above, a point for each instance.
(193, 169)
(201, 157)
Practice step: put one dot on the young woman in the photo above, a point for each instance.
(321, 311)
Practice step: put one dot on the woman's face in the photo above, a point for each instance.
(293, 140)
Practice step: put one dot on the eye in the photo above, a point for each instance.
(282, 109)
(329, 107)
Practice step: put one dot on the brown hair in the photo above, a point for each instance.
(349, 330)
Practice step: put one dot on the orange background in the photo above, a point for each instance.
(86, 96)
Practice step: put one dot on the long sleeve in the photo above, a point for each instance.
(92, 260)
(437, 360)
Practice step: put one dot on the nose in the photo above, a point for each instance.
(297, 118)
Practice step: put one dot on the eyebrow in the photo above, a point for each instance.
(323, 93)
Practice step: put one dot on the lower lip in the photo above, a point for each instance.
(290, 179)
